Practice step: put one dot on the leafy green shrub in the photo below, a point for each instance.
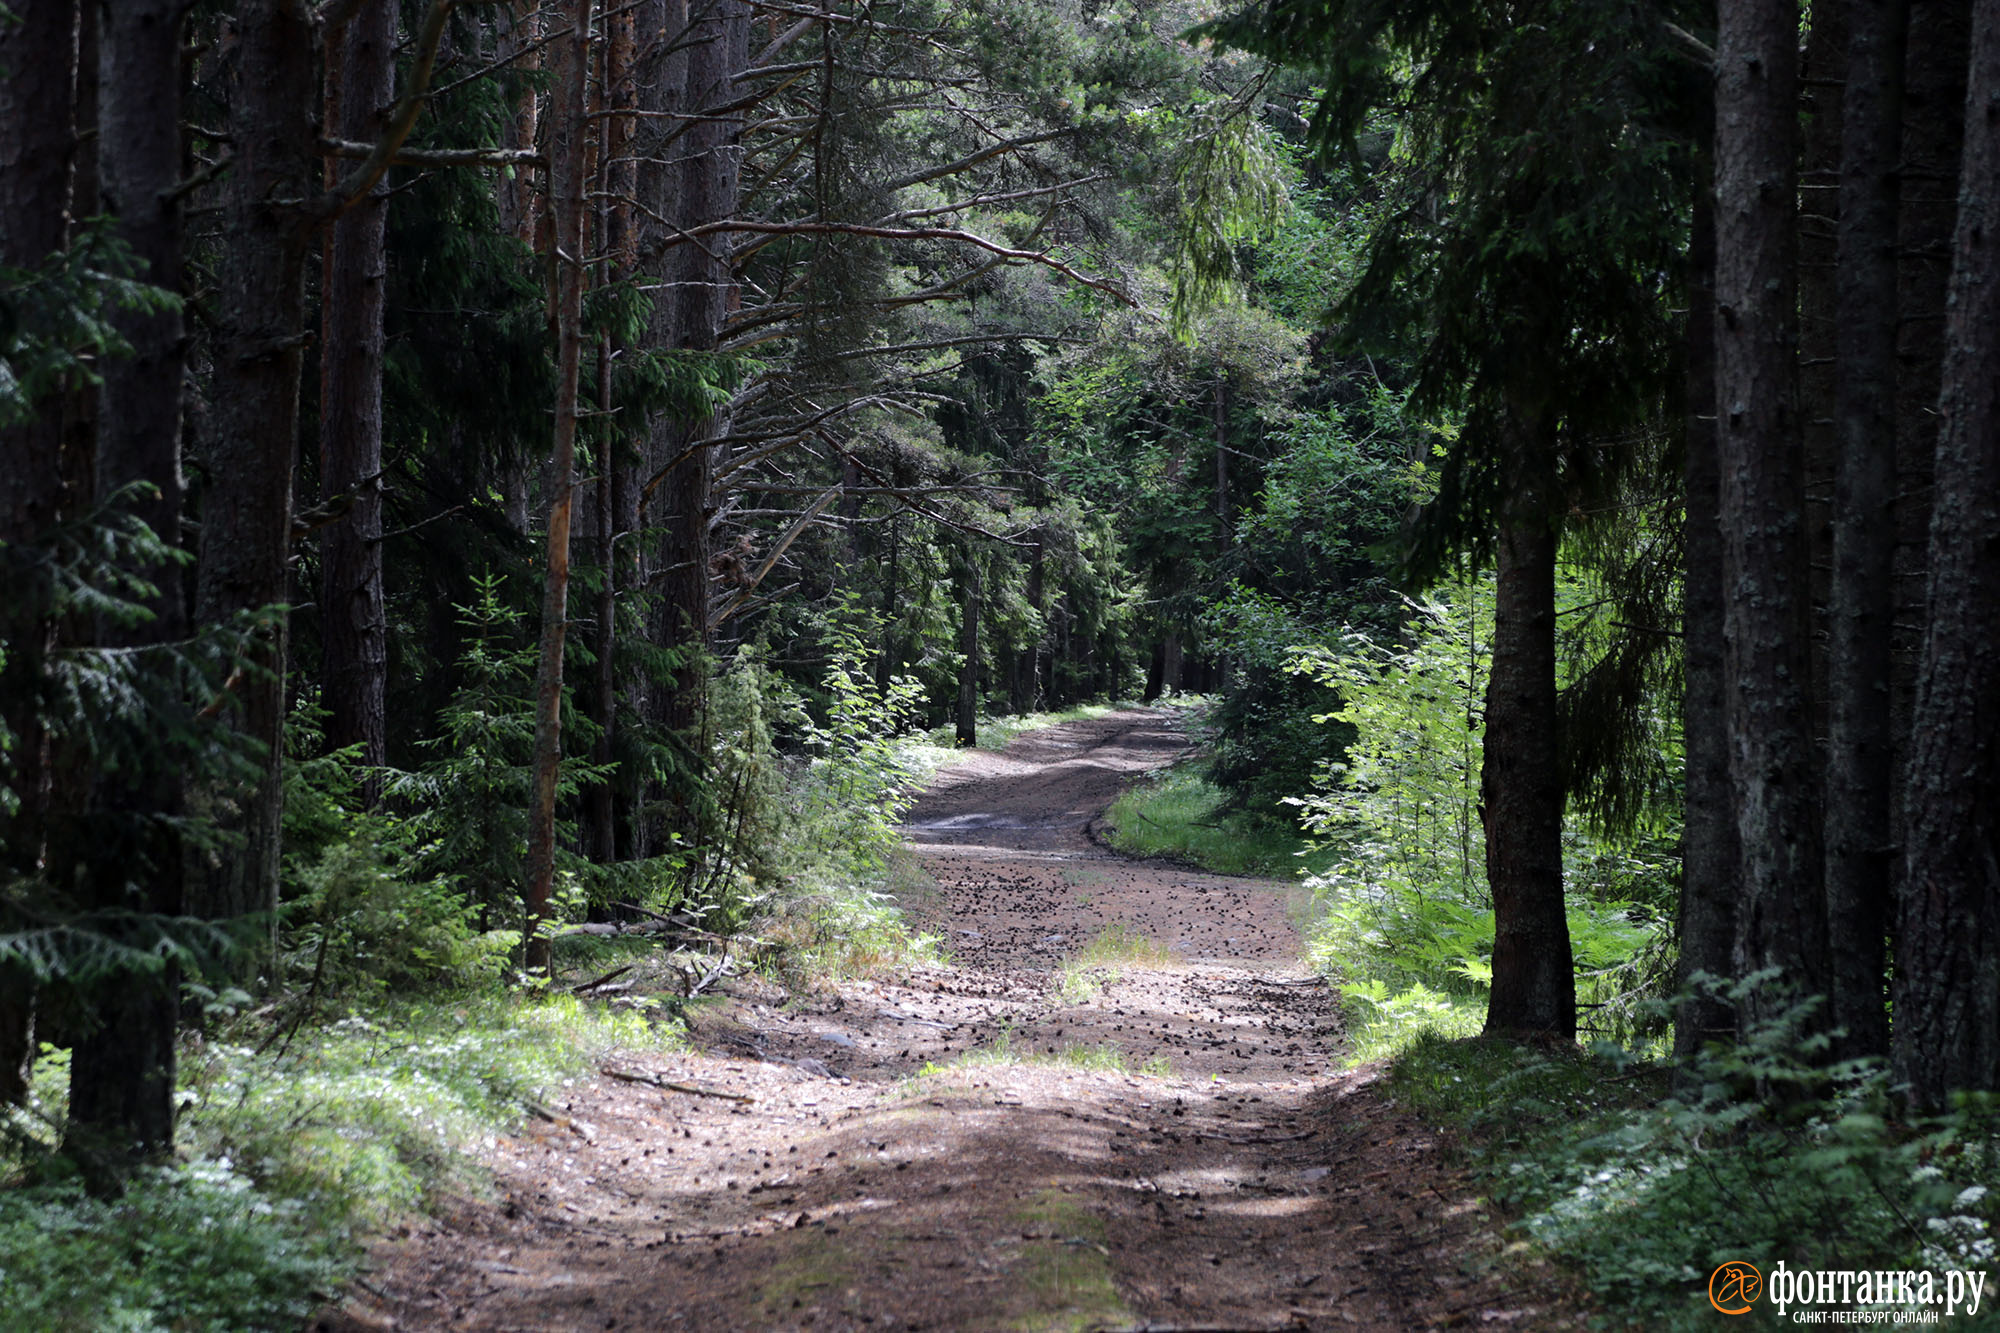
(297, 1152)
(1269, 736)
(1404, 900)
(471, 800)
(365, 921)
(358, 911)
(749, 705)
(848, 931)
(194, 1249)
(1403, 805)
(850, 795)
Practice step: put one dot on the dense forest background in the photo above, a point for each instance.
(479, 472)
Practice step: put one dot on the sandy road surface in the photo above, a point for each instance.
(1012, 1141)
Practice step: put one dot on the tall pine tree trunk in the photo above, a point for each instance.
(517, 33)
(1521, 780)
(1221, 410)
(1781, 916)
(1860, 763)
(37, 101)
(967, 717)
(618, 462)
(1933, 129)
(1822, 80)
(659, 75)
(1172, 662)
(1709, 854)
(568, 167)
(121, 1106)
(600, 803)
(37, 76)
(246, 503)
(1948, 946)
(354, 637)
(891, 660)
(701, 296)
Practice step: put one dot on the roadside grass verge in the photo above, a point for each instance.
(372, 1115)
(196, 1247)
(1386, 1017)
(842, 933)
(1178, 813)
(1640, 1182)
(292, 1149)
(995, 732)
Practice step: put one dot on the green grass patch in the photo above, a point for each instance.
(1385, 1018)
(1509, 1101)
(1180, 814)
(810, 1267)
(1102, 960)
(995, 732)
(291, 1154)
(1063, 1277)
(1120, 942)
(365, 1117)
(1003, 1050)
(836, 933)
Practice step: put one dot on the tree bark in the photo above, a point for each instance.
(1822, 73)
(518, 24)
(354, 640)
(37, 100)
(246, 502)
(1947, 1034)
(701, 294)
(891, 660)
(567, 178)
(1709, 853)
(601, 802)
(1521, 779)
(968, 647)
(1933, 125)
(1781, 918)
(1860, 763)
(659, 75)
(121, 1107)
(1222, 457)
(37, 75)
(1172, 660)
(618, 466)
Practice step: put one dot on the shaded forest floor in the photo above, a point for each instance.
(1117, 1108)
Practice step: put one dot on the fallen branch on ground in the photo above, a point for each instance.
(667, 1085)
(612, 975)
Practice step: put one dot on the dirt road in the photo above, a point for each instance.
(1118, 1107)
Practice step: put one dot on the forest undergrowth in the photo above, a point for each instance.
(357, 1093)
(1553, 443)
